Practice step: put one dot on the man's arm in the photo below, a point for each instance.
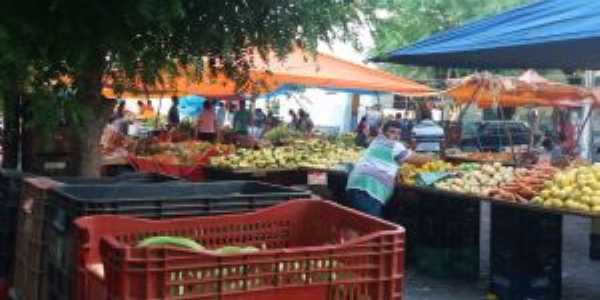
(417, 159)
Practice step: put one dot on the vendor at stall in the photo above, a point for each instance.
(242, 119)
(207, 123)
(173, 115)
(148, 110)
(371, 183)
(362, 133)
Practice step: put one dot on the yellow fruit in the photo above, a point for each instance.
(584, 200)
(556, 203)
(545, 194)
(570, 204)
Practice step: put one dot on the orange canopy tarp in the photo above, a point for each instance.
(297, 68)
(530, 89)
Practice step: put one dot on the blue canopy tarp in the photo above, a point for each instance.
(190, 106)
(546, 34)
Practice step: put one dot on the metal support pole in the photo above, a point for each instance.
(586, 149)
(586, 133)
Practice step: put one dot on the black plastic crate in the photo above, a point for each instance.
(282, 177)
(29, 273)
(447, 234)
(337, 180)
(403, 209)
(152, 201)
(525, 254)
(10, 191)
(595, 240)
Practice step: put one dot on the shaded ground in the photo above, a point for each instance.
(581, 276)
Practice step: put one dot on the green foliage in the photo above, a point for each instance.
(136, 39)
(43, 41)
(413, 20)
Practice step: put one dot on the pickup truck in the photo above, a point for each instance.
(493, 135)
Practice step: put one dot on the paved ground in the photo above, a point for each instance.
(581, 276)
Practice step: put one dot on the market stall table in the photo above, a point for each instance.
(443, 231)
(115, 165)
(526, 242)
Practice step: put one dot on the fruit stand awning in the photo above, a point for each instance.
(529, 89)
(298, 68)
(546, 34)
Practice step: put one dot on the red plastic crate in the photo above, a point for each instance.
(3, 289)
(311, 250)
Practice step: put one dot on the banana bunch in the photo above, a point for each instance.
(314, 153)
(408, 172)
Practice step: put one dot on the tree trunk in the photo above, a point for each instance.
(12, 125)
(91, 132)
(89, 85)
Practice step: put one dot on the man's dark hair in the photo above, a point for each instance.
(175, 99)
(548, 144)
(207, 105)
(390, 124)
(562, 137)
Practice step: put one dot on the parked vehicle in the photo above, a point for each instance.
(494, 135)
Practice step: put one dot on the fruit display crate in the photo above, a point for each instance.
(345, 255)
(29, 281)
(446, 232)
(287, 177)
(10, 191)
(145, 200)
(525, 254)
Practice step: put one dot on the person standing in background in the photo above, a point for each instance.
(148, 110)
(221, 113)
(207, 123)
(375, 119)
(119, 119)
(173, 115)
(229, 115)
(271, 121)
(141, 109)
(242, 119)
(305, 123)
(362, 133)
(294, 120)
(259, 121)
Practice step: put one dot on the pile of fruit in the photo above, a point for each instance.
(486, 157)
(478, 182)
(576, 189)
(313, 153)
(408, 172)
(527, 184)
(184, 153)
(281, 135)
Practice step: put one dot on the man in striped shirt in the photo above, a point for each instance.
(371, 183)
